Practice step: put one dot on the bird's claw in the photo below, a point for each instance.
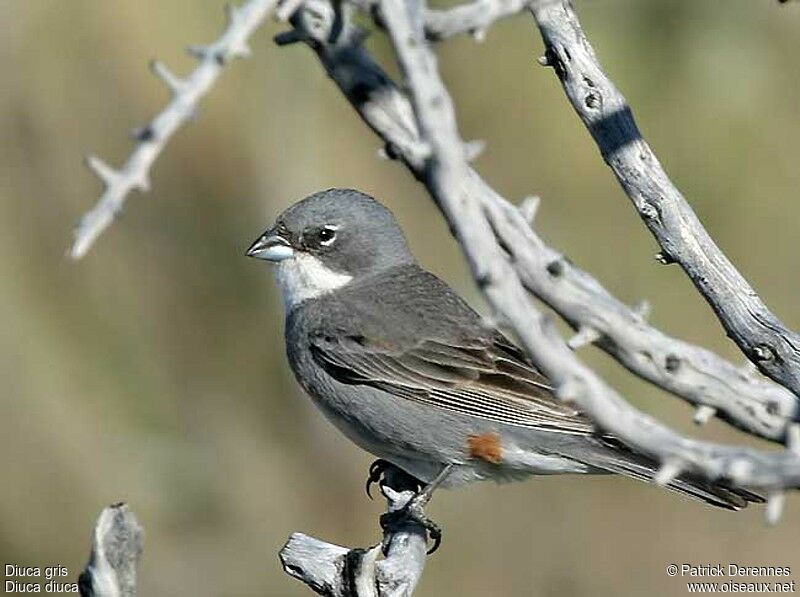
(413, 512)
(376, 475)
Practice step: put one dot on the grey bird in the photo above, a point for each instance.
(407, 370)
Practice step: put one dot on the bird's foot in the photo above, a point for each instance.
(377, 474)
(414, 510)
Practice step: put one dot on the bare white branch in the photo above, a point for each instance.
(151, 139)
(758, 332)
(116, 547)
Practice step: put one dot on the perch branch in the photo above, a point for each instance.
(151, 139)
(766, 341)
(116, 548)
(386, 110)
(341, 572)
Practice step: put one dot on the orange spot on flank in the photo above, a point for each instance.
(486, 446)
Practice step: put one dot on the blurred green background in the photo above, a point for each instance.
(153, 370)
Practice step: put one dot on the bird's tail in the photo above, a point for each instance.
(619, 459)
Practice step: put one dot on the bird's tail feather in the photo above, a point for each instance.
(621, 460)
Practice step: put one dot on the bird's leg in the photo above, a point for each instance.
(377, 474)
(414, 509)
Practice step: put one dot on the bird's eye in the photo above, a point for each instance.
(327, 235)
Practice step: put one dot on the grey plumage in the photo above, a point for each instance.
(408, 371)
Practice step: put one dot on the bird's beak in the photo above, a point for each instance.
(272, 247)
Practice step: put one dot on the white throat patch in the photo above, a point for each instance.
(303, 276)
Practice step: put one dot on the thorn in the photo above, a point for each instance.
(473, 149)
(793, 438)
(543, 60)
(479, 34)
(642, 309)
(568, 391)
(586, 335)
(490, 321)
(175, 84)
(775, 502)
(670, 469)
(496, 320)
(704, 414)
(199, 52)
(286, 9)
(738, 470)
(663, 258)
(529, 207)
(103, 171)
(232, 13)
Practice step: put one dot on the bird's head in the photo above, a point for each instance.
(329, 239)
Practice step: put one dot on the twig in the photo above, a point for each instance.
(116, 548)
(151, 139)
(766, 341)
(386, 110)
(700, 377)
(390, 569)
(474, 18)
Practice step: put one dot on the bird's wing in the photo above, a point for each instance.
(486, 377)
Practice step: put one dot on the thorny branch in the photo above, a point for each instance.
(765, 339)
(151, 138)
